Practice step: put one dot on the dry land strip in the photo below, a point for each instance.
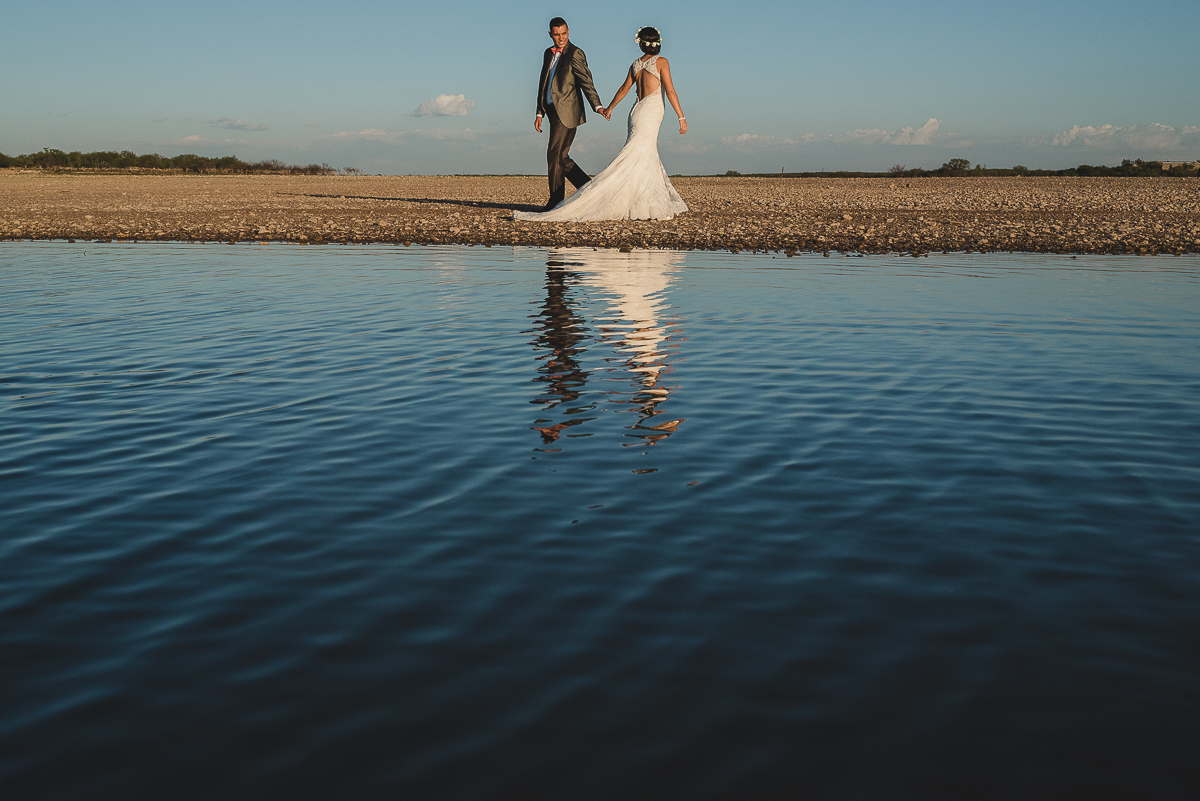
(870, 215)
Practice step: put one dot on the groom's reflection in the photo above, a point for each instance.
(639, 345)
(561, 334)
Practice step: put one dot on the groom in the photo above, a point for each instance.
(565, 75)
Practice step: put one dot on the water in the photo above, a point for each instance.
(473, 523)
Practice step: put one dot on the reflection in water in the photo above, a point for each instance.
(638, 334)
(561, 334)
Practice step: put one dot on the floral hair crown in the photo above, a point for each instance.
(638, 38)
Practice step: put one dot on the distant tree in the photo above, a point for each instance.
(188, 162)
(52, 159)
(229, 164)
(898, 170)
(732, 172)
(956, 166)
(49, 158)
(1020, 169)
(107, 159)
(313, 169)
(152, 161)
(269, 165)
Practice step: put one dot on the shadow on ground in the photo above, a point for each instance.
(477, 204)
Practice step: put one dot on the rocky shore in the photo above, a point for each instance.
(872, 215)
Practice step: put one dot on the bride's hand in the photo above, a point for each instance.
(682, 126)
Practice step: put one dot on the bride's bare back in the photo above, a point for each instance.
(650, 73)
(645, 72)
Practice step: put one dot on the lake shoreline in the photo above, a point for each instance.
(786, 215)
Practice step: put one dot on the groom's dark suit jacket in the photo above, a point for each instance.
(570, 79)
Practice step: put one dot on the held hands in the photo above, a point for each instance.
(537, 121)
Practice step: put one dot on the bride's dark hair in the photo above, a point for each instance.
(650, 40)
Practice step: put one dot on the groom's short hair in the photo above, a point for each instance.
(558, 22)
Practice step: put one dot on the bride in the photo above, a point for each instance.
(635, 186)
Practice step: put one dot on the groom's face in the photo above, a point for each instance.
(560, 34)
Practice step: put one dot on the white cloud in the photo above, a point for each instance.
(921, 136)
(204, 141)
(1155, 136)
(237, 125)
(677, 145)
(442, 134)
(368, 134)
(445, 106)
(747, 142)
(925, 135)
(866, 136)
(1085, 135)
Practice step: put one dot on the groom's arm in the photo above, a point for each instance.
(541, 98)
(583, 79)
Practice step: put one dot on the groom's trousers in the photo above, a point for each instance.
(559, 165)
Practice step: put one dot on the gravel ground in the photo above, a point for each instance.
(1071, 215)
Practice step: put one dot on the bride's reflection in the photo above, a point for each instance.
(638, 334)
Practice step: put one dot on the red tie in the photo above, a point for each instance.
(556, 50)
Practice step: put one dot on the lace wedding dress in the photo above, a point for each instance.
(635, 186)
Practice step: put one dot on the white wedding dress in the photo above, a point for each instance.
(635, 186)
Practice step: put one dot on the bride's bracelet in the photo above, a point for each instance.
(682, 118)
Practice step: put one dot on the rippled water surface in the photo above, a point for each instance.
(475, 523)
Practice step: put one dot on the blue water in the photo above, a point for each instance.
(473, 523)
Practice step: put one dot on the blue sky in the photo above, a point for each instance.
(859, 84)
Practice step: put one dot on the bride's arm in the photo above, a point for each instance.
(664, 70)
(624, 90)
